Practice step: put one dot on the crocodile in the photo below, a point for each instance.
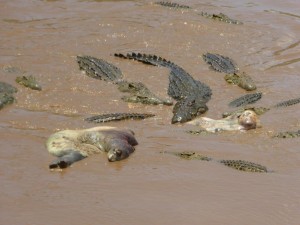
(189, 155)
(262, 110)
(188, 108)
(70, 146)
(29, 81)
(172, 5)
(241, 165)
(118, 116)
(191, 95)
(246, 99)
(217, 17)
(220, 17)
(288, 134)
(244, 121)
(100, 69)
(6, 94)
(140, 93)
(226, 65)
(23, 79)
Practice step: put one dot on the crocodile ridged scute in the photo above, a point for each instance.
(117, 116)
(220, 17)
(244, 166)
(99, 68)
(288, 134)
(220, 63)
(181, 83)
(147, 59)
(288, 103)
(246, 99)
(241, 165)
(172, 5)
(191, 94)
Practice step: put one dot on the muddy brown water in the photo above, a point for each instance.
(43, 38)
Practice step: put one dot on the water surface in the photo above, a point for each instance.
(43, 38)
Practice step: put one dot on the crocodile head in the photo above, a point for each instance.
(188, 108)
(140, 94)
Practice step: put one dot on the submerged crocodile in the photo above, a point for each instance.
(218, 17)
(118, 116)
(70, 146)
(140, 93)
(244, 121)
(191, 95)
(23, 79)
(262, 110)
(226, 65)
(29, 81)
(245, 166)
(288, 134)
(100, 69)
(6, 94)
(172, 5)
(241, 165)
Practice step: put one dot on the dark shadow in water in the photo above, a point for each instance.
(283, 13)
(285, 63)
(287, 48)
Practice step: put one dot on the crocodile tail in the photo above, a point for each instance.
(287, 103)
(246, 99)
(244, 166)
(118, 116)
(147, 59)
(172, 5)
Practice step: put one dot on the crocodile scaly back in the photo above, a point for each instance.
(99, 68)
(118, 116)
